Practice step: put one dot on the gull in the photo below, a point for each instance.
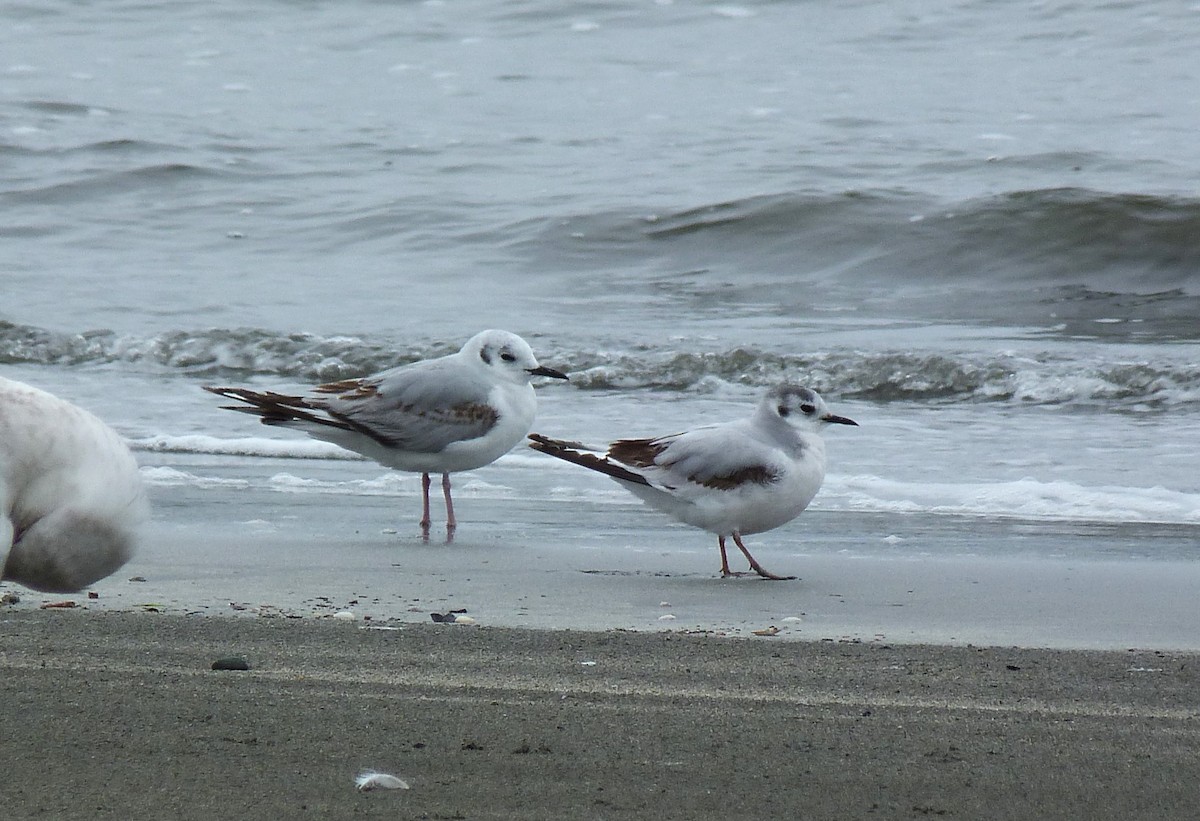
(733, 479)
(71, 497)
(445, 415)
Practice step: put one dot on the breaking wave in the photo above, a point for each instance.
(882, 376)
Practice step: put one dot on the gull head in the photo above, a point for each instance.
(800, 406)
(507, 357)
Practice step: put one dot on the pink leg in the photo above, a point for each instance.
(758, 568)
(451, 524)
(725, 571)
(425, 521)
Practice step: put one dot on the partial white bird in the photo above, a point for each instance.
(454, 413)
(733, 479)
(71, 497)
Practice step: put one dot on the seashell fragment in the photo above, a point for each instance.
(371, 780)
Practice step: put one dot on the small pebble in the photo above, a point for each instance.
(231, 663)
(453, 617)
(345, 615)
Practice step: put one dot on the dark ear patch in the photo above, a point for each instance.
(485, 356)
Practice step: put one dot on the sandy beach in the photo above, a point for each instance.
(119, 715)
(972, 229)
(609, 672)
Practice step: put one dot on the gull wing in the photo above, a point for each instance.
(417, 408)
(717, 458)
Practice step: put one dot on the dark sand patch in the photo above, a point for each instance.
(118, 715)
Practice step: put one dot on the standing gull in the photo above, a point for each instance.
(71, 497)
(733, 479)
(454, 413)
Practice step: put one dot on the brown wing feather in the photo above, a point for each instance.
(638, 453)
(756, 474)
(349, 388)
(275, 408)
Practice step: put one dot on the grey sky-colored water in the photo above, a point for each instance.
(972, 225)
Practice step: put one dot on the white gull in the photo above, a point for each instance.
(444, 415)
(71, 497)
(732, 479)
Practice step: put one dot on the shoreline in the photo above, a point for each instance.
(1051, 604)
(120, 715)
(518, 564)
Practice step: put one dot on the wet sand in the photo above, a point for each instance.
(531, 563)
(118, 715)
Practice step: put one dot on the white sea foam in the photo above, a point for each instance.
(1022, 498)
(1019, 499)
(173, 477)
(297, 448)
(388, 483)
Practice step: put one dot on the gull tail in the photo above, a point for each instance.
(274, 408)
(575, 453)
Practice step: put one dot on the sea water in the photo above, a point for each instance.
(973, 227)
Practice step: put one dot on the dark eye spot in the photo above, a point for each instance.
(784, 410)
(807, 409)
(507, 357)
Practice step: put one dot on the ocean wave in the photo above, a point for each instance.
(60, 108)
(881, 376)
(91, 184)
(209, 352)
(923, 377)
(1019, 235)
(1064, 257)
